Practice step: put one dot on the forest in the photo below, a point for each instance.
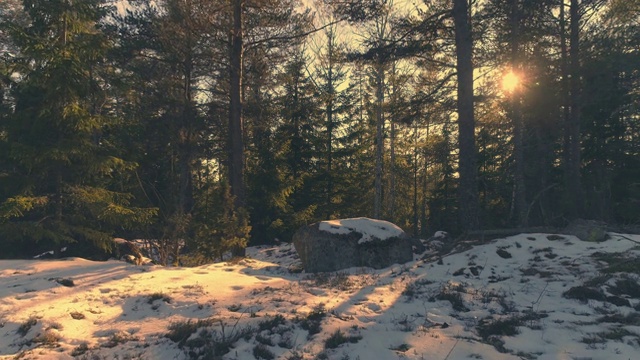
(212, 125)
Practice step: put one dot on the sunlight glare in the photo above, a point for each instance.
(510, 81)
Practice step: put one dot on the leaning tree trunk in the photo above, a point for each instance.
(467, 188)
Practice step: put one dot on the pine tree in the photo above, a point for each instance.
(336, 109)
(218, 226)
(611, 79)
(284, 172)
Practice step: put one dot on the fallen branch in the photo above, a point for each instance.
(626, 238)
(450, 351)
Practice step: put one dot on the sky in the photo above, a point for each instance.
(521, 297)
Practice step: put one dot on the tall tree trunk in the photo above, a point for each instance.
(185, 145)
(564, 69)
(468, 187)
(516, 114)
(330, 125)
(518, 149)
(377, 201)
(236, 142)
(573, 179)
(416, 138)
(392, 149)
(424, 218)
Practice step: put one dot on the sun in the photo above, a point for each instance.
(510, 81)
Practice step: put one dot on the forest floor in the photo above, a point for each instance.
(530, 296)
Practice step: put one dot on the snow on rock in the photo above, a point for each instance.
(371, 229)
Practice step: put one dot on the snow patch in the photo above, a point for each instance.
(371, 229)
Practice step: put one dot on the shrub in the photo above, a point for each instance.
(312, 322)
(401, 348)
(583, 294)
(180, 331)
(158, 296)
(24, 328)
(48, 338)
(504, 327)
(264, 340)
(271, 323)
(632, 318)
(455, 298)
(118, 338)
(261, 351)
(80, 350)
(209, 343)
(338, 338)
(338, 280)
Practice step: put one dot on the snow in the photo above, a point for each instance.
(440, 234)
(425, 309)
(371, 229)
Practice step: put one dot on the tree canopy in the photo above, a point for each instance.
(205, 126)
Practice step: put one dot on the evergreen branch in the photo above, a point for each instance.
(437, 88)
(43, 219)
(17, 206)
(294, 36)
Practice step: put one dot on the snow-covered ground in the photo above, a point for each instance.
(531, 296)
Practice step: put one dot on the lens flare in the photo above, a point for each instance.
(510, 81)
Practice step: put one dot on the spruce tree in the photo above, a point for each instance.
(63, 174)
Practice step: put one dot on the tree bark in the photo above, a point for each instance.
(468, 187)
(236, 141)
(377, 202)
(416, 138)
(330, 123)
(392, 149)
(185, 136)
(574, 184)
(518, 125)
(564, 69)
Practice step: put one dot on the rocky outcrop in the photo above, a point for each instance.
(323, 250)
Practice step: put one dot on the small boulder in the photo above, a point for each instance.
(340, 244)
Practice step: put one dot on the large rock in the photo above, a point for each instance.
(587, 230)
(340, 244)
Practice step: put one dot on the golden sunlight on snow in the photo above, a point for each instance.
(430, 308)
